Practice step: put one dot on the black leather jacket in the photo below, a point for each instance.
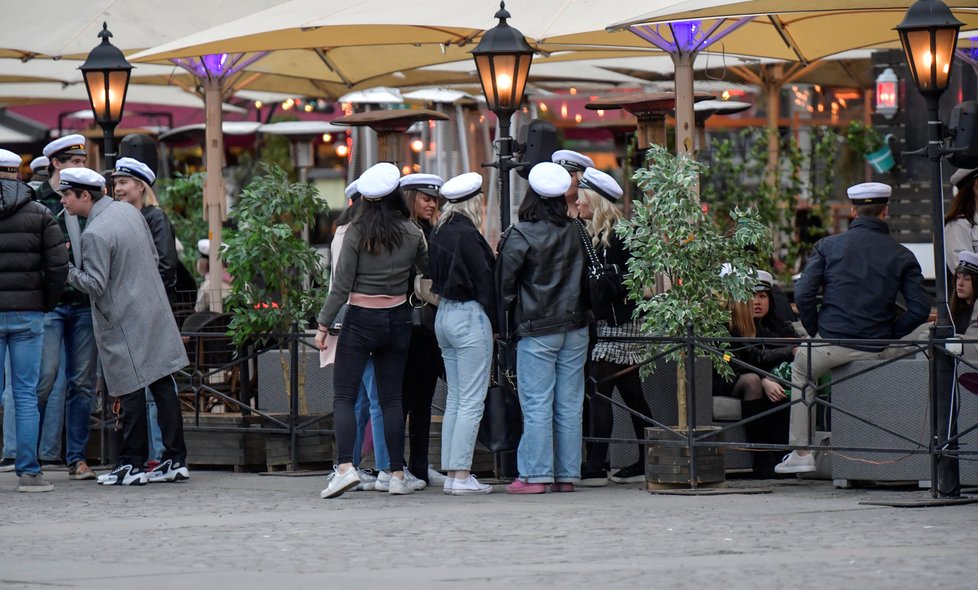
(861, 272)
(166, 247)
(540, 277)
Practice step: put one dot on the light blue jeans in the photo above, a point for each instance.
(367, 408)
(70, 327)
(22, 334)
(465, 338)
(49, 443)
(9, 422)
(155, 440)
(550, 379)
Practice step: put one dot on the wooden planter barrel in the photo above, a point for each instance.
(669, 465)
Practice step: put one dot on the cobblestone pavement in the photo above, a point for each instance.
(222, 531)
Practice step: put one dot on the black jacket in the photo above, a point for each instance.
(540, 277)
(33, 257)
(615, 253)
(861, 272)
(460, 265)
(51, 199)
(166, 246)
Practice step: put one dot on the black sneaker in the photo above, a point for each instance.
(7, 465)
(593, 479)
(123, 475)
(632, 474)
(168, 470)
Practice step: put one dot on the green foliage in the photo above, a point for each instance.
(863, 139)
(670, 235)
(270, 264)
(182, 197)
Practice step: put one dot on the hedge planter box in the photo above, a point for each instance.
(209, 446)
(670, 465)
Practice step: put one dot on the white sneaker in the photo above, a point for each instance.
(400, 487)
(447, 486)
(470, 485)
(123, 475)
(383, 482)
(340, 482)
(367, 480)
(436, 477)
(795, 463)
(415, 483)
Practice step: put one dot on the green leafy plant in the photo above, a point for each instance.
(182, 198)
(862, 138)
(670, 236)
(271, 266)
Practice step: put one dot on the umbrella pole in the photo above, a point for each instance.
(214, 206)
(685, 123)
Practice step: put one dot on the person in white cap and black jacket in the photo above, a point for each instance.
(33, 268)
(66, 409)
(39, 171)
(575, 163)
(138, 340)
(461, 265)
(599, 194)
(380, 249)
(963, 298)
(961, 220)
(861, 272)
(424, 356)
(540, 273)
(132, 182)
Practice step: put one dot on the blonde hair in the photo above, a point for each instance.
(742, 319)
(471, 208)
(604, 216)
(149, 195)
(411, 199)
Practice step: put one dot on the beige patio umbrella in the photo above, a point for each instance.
(802, 30)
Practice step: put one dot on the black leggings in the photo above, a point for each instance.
(426, 365)
(383, 334)
(601, 418)
(135, 445)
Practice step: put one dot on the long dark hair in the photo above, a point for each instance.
(961, 308)
(536, 208)
(379, 222)
(347, 215)
(772, 323)
(963, 204)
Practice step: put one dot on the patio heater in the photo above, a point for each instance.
(929, 33)
(503, 60)
(106, 73)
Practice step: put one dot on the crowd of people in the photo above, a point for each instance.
(417, 293)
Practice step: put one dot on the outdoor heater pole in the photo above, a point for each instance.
(945, 481)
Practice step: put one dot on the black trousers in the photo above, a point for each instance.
(770, 429)
(425, 365)
(383, 334)
(135, 428)
(601, 414)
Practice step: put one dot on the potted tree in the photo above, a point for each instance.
(671, 236)
(272, 267)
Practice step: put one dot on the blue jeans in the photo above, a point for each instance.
(22, 333)
(53, 421)
(368, 408)
(9, 422)
(155, 440)
(550, 379)
(465, 338)
(72, 327)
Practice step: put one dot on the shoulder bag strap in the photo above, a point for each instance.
(588, 246)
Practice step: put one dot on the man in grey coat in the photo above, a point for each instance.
(138, 340)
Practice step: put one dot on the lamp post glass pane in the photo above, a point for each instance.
(117, 94)
(930, 54)
(107, 92)
(483, 64)
(522, 75)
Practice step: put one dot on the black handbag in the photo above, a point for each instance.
(422, 316)
(604, 281)
(337, 325)
(502, 420)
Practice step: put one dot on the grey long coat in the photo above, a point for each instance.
(138, 340)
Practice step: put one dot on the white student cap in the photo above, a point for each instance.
(602, 183)
(462, 187)
(378, 181)
(572, 161)
(69, 145)
(869, 193)
(549, 180)
(426, 183)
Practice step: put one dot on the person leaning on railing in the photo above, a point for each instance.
(861, 272)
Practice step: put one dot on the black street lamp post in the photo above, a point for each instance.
(106, 74)
(503, 59)
(929, 33)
